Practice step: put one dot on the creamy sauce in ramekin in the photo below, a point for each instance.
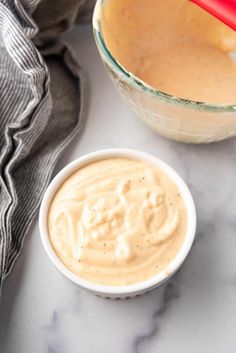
(174, 46)
(117, 221)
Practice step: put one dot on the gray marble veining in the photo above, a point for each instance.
(42, 312)
(170, 293)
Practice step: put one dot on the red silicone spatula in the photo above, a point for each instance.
(224, 10)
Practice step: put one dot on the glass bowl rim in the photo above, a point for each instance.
(137, 83)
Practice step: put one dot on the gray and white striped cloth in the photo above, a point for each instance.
(41, 109)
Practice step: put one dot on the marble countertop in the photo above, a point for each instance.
(195, 312)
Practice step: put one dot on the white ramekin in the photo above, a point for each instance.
(133, 289)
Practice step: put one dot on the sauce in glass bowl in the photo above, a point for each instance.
(174, 46)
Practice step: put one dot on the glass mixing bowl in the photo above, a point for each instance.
(175, 118)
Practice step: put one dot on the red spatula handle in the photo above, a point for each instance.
(224, 10)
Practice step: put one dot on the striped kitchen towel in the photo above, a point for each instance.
(42, 108)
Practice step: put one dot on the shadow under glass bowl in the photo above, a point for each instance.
(172, 117)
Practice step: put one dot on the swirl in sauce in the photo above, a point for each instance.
(117, 221)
